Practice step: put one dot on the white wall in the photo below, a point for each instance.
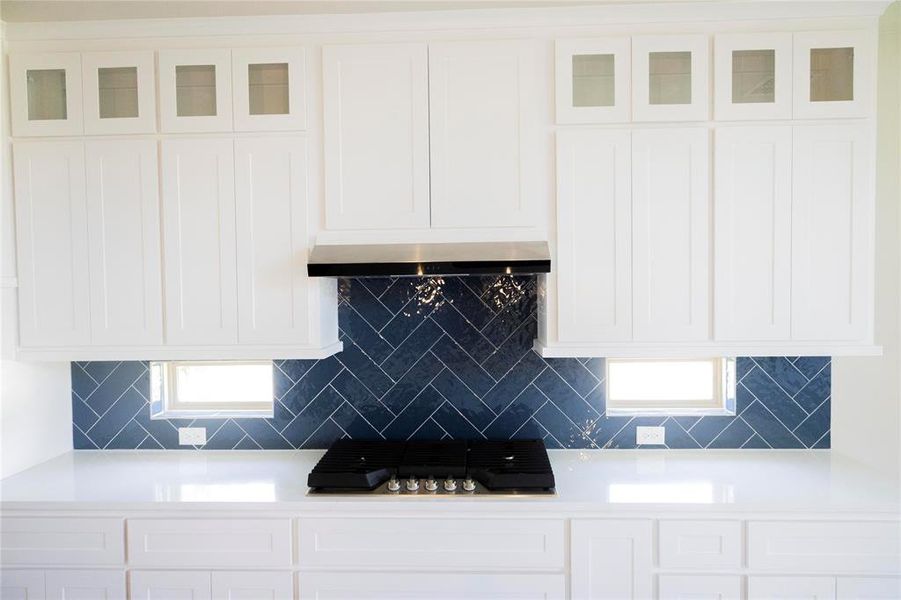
(35, 398)
(866, 392)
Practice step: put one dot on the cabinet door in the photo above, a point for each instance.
(670, 78)
(868, 588)
(170, 585)
(672, 234)
(832, 233)
(442, 586)
(611, 560)
(119, 92)
(834, 74)
(376, 127)
(124, 242)
(238, 585)
(52, 244)
(593, 80)
(195, 90)
(791, 588)
(753, 233)
(270, 194)
(199, 241)
(85, 585)
(21, 584)
(696, 587)
(594, 241)
(270, 89)
(481, 141)
(45, 94)
(753, 76)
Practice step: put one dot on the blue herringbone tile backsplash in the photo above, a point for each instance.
(452, 358)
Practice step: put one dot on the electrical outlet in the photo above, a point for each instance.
(650, 436)
(191, 436)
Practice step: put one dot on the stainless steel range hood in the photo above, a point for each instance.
(468, 258)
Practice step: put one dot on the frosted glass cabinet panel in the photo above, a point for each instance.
(45, 94)
(670, 78)
(119, 92)
(753, 76)
(834, 74)
(593, 80)
(195, 90)
(269, 88)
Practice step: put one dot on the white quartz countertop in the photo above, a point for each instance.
(587, 481)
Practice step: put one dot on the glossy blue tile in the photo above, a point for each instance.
(512, 350)
(811, 365)
(770, 428)
(263, 434)
(771, 395)
(515, 381)
(367, 305)
(362, 333)
(115, 384)
(312, 416)
(311, 384)
(815, 426)
(455, 424)
(516, 414)
(463, 400)
(735, 435)
(412, 383)
(123, 408)
(418, 410)
(562, 396)
(364, 369)
(467, 303)
(362, 400)
(783, 372)
(355, 424)
(226, 437)
(677, 437)
(415, 346)
(457, 327)
(817, 391)
(570, 434)
(574, 374)
(457, 360)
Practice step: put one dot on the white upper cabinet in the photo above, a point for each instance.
(593, 80)
(752, 232)
(269, 89)
(834, 74)
(753, 76)
(376, 122)
(124, 242)
(45, 92)
(195, 90)
(671, 233)
(52, 244)
(198, 178)
(119, 92)
(670, 78)
(594, 242)
(832, 233)
(483, 133)
(271, 197)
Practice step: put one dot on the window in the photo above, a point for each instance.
(671, 386)
(211, 389)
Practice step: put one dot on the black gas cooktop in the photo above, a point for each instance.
(434, 468)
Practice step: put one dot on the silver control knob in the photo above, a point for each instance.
(468, 484)
(431, 485)
(412, 484)
(450, 485)
(393, 485)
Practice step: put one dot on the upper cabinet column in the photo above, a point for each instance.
(376, 126)
(753, 76)
(269, 86)
(670, 78)
(834, 73)
(119, 92)
(45, 93)
(195, 90)
(483, 133)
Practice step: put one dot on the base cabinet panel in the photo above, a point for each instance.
(442, 586)
(698, 587)
(611, 560)
(235, 585)
(170, 585)
(21, 584)
(791, 588)
(85, 585)
(868, 588)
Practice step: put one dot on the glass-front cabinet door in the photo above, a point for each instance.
(593, 80)
(45, 92)
(834, 73)
(269, 89)
(753, 76)
(670, 78)
(119, 93)
(195, 90)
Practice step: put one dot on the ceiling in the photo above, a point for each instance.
(23, 11)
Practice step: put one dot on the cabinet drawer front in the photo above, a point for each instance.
(438, 586)
(791, 588)
(78, 585)
(868, 588)
(700, 544)
(210, 542)
(18, 584)
(866, 547)
(431, 543)
(62, 541)
(682, 587)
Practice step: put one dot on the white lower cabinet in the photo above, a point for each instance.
(171, 585)
(699, 587)
(211, 585)
(235, 585)
(868, 588)
(370, 585)
(22, 584)
(611, 559)
(791, 588)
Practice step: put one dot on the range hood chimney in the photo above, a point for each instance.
(467, 258)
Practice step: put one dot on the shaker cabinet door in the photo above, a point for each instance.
(119, 92)
(270, 199)
(482, 134)
(170, 585)
(195, 90)
(834, 74)
(124, 242)
(611, 560)
(376, 128)
(45, 94)
(199, 241)
(52, 244)
(269, 89)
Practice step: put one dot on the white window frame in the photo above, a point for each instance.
(724, 387)
(164, 395)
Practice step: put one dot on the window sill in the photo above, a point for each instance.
(211, 414)
(670, 412)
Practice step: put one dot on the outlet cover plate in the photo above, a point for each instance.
(650, 436)
(191, 436)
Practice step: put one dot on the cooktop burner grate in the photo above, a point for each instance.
(510, 464)
(353, 464)
(433, 459)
